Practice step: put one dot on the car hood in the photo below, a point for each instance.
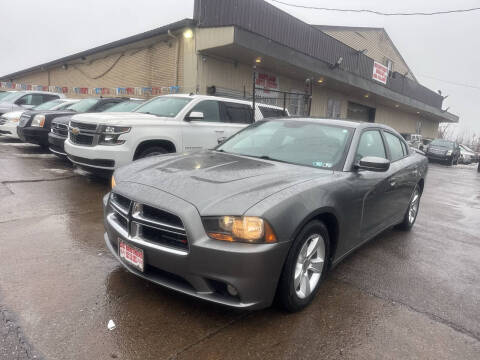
(437, 147)
(13, 114)
(114, 117)
(217, 183)
(51, 112)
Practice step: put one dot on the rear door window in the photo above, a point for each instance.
(237, 113)
(268, 112)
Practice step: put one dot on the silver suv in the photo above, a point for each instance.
(24, 100)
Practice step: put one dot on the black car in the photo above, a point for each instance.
(445, 151)
(59, 127)
(34, 126)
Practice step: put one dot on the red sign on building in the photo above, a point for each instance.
(380, 73)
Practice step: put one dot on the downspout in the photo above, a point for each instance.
(177, 56)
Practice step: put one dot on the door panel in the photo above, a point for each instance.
(203, 134)
(374, 187)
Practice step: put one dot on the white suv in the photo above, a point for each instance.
(165, 124)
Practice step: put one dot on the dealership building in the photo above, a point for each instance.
(253, 50)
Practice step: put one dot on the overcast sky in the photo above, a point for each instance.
(443, 47)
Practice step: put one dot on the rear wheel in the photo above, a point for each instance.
(305, 267)
(152, 151)
(412, 211)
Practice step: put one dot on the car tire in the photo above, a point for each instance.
(412, 211)
(305, 267)
(152, 151)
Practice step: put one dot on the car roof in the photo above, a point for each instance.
(210, 97)
(338, 122)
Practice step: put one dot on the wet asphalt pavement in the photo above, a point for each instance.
(404, 295)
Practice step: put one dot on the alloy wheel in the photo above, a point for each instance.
(309, 266)
(413, 209)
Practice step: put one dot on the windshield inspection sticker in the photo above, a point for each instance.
(318, 163)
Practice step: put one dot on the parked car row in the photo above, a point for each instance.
(247, 206)
(450, 153)
(102, 134)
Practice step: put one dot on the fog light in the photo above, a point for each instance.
(231, 290)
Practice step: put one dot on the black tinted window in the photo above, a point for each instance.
(371, 144)
(48, 97)
(210, 110)
(105, 105)
(268, 112)
(238, 113)
(395, 146)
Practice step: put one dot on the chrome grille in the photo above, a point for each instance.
(81, 139)
(83, 126)
(87, 134)
(2, 120)
(148, 224)
(60, 129)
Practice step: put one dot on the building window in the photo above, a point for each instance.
(360, 112)
(333, 108)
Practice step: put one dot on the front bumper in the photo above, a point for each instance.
(34, 135)
(57, 144)
(439, 157)
(99, 157)
(208, 266)
(9, 128)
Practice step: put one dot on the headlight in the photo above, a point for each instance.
(38, 120)
(15, 119)
(449, 152)
(110, 134)
(248, 229)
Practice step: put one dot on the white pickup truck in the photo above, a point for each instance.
(165, 124)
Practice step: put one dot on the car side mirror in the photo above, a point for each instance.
(194, 115)
(373, 163)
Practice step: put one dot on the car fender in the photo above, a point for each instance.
(142, 133)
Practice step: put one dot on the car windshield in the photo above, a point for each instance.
(442, 143)
(12, 96)
(292, 141)
(83, 105)
(125, 106)
(466, 148)
(3, 95)
(166, 106)
(49, 105)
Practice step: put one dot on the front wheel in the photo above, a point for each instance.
(152, 151)
(305, 267)
(412, 211)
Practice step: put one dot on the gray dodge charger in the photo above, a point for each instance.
(267, 213)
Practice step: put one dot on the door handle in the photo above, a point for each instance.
(220, 131)
(221, 139)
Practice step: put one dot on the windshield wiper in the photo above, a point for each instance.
(266, 157)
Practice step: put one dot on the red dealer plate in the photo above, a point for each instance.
(131, 254)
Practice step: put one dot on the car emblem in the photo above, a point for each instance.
(75, 131)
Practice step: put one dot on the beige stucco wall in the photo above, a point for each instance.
(402, 121)
(378, 45)
(226, 74)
